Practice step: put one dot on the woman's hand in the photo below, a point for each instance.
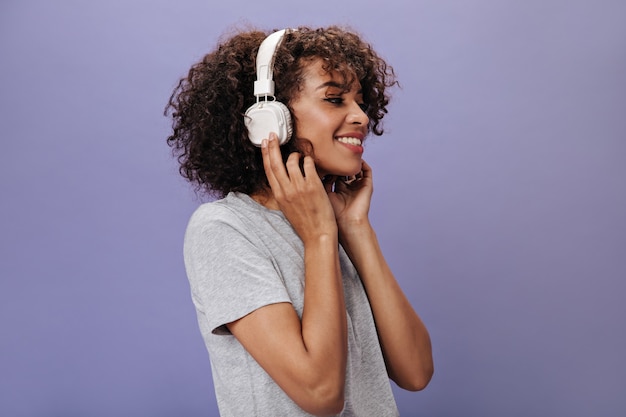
(301, 197)
(351, 199)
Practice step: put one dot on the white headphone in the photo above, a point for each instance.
(267, 115)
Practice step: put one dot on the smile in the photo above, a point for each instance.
(350, 141)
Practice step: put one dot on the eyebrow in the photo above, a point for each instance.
(331, 83)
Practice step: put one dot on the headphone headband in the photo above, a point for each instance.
(264, 84)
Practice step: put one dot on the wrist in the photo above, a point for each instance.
(321, 237)
(354, 225)
(355, 233)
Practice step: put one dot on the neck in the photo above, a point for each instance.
(265, 198)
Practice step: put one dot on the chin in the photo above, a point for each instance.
(343, 170)
(351, 173)
(343, 173)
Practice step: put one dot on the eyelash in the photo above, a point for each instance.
(338, 100)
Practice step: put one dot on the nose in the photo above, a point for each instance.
(357, 115)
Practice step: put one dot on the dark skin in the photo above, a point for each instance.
(307, 357)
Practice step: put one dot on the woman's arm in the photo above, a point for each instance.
(307, 358)
(403, 337)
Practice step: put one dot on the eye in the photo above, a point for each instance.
(334, 100)
(364, 107)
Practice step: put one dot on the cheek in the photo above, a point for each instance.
(307, 124)
(306, 118)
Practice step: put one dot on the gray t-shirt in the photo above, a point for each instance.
(241, 256)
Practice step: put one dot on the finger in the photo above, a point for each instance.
(349, 180)
(293, 167)
(308, 166)
(267, 165)
(275, 161)
(366, 170)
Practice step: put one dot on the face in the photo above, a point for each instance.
(330, 115)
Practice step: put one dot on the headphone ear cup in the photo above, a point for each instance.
(264, 117)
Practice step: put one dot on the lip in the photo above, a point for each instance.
(357, 149)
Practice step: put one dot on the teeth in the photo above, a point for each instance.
(350, 141)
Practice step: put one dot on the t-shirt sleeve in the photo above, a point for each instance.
(230, 271)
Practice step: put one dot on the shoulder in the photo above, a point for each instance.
(235, 216)
(230, 210)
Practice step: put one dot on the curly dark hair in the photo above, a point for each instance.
(207, 106)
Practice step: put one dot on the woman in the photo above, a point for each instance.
(297, 306)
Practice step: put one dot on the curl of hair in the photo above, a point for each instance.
(207, 107)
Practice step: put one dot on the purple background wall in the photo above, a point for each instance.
(500, 201)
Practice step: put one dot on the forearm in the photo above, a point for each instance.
(324, 328)
(404, 338)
